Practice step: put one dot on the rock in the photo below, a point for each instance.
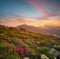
(44, 56)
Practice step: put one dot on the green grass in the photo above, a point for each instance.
(38, 43)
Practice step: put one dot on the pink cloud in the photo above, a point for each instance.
(42, 18)
(39, 6)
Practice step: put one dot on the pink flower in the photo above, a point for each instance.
(27, 50)
(6, 42)
(17, 49)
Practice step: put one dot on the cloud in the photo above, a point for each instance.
(15, 21)
(39, 5)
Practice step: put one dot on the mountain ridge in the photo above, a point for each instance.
(48, 30)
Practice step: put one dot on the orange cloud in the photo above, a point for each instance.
(52, 21)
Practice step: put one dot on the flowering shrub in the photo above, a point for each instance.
(6, 42)
(27, 50)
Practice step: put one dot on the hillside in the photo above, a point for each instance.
(17, 43)
(47, 30)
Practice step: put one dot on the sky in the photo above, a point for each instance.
(31, 12)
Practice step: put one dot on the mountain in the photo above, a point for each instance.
(18, 43)
(48, 30)
(30, 28)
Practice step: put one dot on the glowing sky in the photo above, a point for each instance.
(31, 12)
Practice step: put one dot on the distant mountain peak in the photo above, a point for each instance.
(24, 24)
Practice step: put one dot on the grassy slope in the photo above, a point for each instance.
(16, 43)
